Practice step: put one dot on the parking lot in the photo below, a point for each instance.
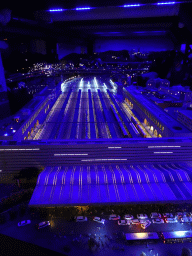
(71, 237)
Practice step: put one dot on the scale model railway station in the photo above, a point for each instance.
(94, 148)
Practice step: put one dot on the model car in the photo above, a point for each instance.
(155, 215)
(128, 217)
(142, 216)
(99, 220)
(186, 219)
(124, 222)
(171, 220)
(135, 221)
(23, 223)
(179, 214)
(114, 217)
(157, 221)
(43, 224)
(143, 221)
(146, 224)
(80, 218)
(168, 215)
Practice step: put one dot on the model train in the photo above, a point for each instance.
(123, 131)
(141, 132)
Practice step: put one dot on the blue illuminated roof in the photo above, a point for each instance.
(104, 184)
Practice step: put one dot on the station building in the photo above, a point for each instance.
(157, 82)
(161, 124)
(4, 102)
(176, 93)
(185, 117)
(28, 120)
(162, 99)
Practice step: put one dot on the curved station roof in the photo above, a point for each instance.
(104, 184)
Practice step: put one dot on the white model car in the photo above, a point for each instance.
(171, 220)
(143, 221)
(157, 221)
(168, 215)
(179, 214)
(146, 224)
(43, 224)
(128, 217)
(124, 222)
(142, 216)
(186, 219)
(114, 217)
(99, 220)
(23, 223)
(135, 222)
(80, 218)
(155, 215)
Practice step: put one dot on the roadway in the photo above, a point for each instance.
(75, 235)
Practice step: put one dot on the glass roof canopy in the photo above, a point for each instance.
(113, 184)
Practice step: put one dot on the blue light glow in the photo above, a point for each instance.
(147, 32)
(82, 8)
(180, 233)
(56, 10)
(131, 5)
(5, 134)
(166, 3)
(183, 47)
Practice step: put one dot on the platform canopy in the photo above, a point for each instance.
(113, 184)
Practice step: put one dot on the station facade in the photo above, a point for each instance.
(160, 123)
